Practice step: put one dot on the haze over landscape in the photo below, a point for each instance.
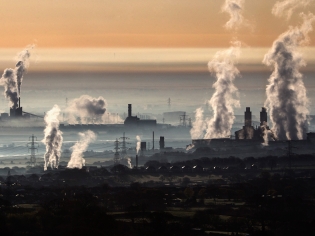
(142, 117)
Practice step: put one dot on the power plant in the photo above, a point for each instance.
(260, 138)
(135, 121)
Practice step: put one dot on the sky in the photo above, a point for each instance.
(96, 38)
(141, 33)
(133, 23)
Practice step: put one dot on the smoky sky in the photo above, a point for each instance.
(87, 109)
(286, 92)
(52, 138)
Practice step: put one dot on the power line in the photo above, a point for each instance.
(124, 148)
(33, 148)
(183, 119)
(116, 155)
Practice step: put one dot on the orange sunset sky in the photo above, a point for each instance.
(71, 30)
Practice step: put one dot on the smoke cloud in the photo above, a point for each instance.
(224, 98)
(53, 138)
(129, 162)
(21, 66)
(12, 78)
(76, 159)
(8, 80)
(199, 125)
(286, 93)
(234, 8)
(138, 143)
(87, 110)
(285, 8)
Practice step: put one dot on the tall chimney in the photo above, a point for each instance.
(129, 110)
(263, 115)
(248, 117)
(153, 141)
(162, 144)
(19, 102)
(137, 161)
(143, 146)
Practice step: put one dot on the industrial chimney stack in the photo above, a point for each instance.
(129, 110)
(162, 144)
(248, 117)
(263, 116)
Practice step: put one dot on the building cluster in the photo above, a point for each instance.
(260, 137)
(249, 131)
(136, 121)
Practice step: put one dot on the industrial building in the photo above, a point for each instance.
(253, 137)
(135, 121)
(249, 131)
(16, 111)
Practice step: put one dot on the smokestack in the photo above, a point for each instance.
(129, 110)
(19, 102)
(162, 144)
(248, 117)
(143, 146)
(153, 141)
(263, 116)
(137, 159)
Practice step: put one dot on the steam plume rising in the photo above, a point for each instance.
(286, 93)
(138, 143)
(88, 109)
(129, 162)
(286, 7)
(8, 80)
(234, 8)
(12, 78)
(53, 138)
(76, 159)
(223, 100)
(21, 66)
(198, 126)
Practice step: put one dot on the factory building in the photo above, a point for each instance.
(250, 137)
(16, 111)
(249, 131)
(135, 121)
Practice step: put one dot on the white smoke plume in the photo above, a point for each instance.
(76, 159)
(286, 8)
(265, 134)
(138, 143)
(12, 78)
(8, 81)
(53, 138)
(189, 147)
(21, 65)
(286, 94)
(129, 162)
(224, 99)
(234, 8)
(87, 109)
(199, 125)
